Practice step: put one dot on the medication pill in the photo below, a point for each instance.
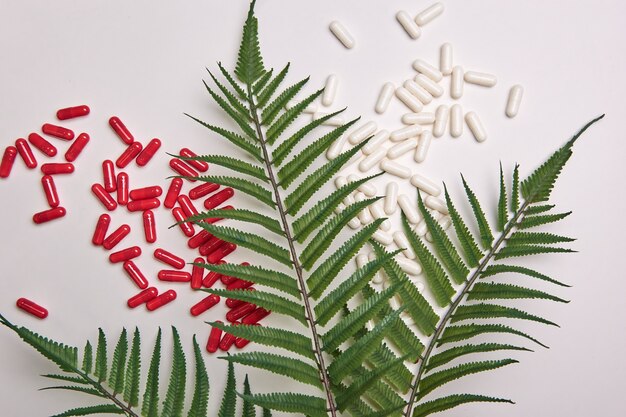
(456, 120)
(240, 312)
(256, 316)
(169, 258)
(391, 198)
(101, 229)
(72, 112)
(121, 130)
(421, 229)
(425, 184)
(47, 215)
(456, 83)
(378, 212)
(57, 131)
(365, 217)
(227, 341)
(239, 284)
(428, 14)
(146, 193)
(50, 191)
(125, 254)
(378, 277)
(210, 279)
(366, 188)
(135, 274)
(333, 121)
(402, 242)
(141, 205)
(214, 339)
(311, 108)
(104, 197)
(122, 188)
(342, 34)
(188, 208)
(394, 168)
(408, 24)
(57, 168)
(174, 276)
(143, 297)
(202, 190)
(401, 148)
(361, 260)
(77, 147)
(223, 250)
(428, 70)
(445, 59)
(418, 91)
(379, 138)
(204, 304)
(409, 100)
(197, 273)
(8, 159)
(372, 159)
(148, 152)
(336, 148)
(409, 209)
(423, 146)
(408, 266)
(108, 175)
(161, 300)
(480, 78)
(405, 133)
(196, 164)
(234, 303)
(362, 133)
(172, 193)
(186, 227)
(183, 169)
(418, 118)
(429, 85)
(240, 342)
(218, 198)
(476, 126)
(199, 239)
(149, 226)
(515, 99)
(330, 90)
(383, 238)
(26, 153)
(116, 237)
(31, 307)
(436, 204)
(43, 145)
(384, 97)
(128, 155)
(441, 121)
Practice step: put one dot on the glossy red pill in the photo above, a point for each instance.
(146, 193)
(101, 229)
(256, 316)
(135, 274)
(186, 227)
(165, 298)
(234, 303)
(149, 226)
(57, 168)
(148, 152)
(172, 193)
(217, 219)
(202, 190)
(204, 304)
(169, 258)
(214, 339)
(239, 312)
(240, 342)
(227, 280)
(122, 188)
(57, 131)
(143, 297)
(141, 205)
(188, 208)
(227, 341)
(77, 147)
(196, 274)
(116, 237)
(199, 165)
(31, 307)
(239, 284)
(218, 198)
(71, 112)
(108, 175)
(221, 252)
(125, 254)
(47, 215)
(199, 239)
(121, 130)
(104, 197)
(50, 189)
(212, 277)
(128, 155)
(174, 276)
(183, 169)
(26, 153)
(211, 246)
(43, 145)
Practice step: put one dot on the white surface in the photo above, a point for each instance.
(143, 61)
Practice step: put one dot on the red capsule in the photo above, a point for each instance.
(227, 341)
(172, 193)
(174, 276)
(108, 174)
(57, 168)
(50, 190)
(31, 307)
(104, 197)
(47, 215)
(146, 193)
(167, 297)
(211, 246)
(222, 251)
(148, 152)
(240, 342)
(218, 198)
(256, 316)
(214, 339)
(135, 274)
(188, 208)
(149, 226)
(122, 188)
(169, 258)
(204, 304)
(227, 280)
(71, 112)
(125, 254)
(202, 190)
(43, 145)
(186, 227)
(121, 130)
(212, 277)
(26, 153)
(239, 284)
(234, 303)
(141, 205)
(57, 131)
(77, 147)
(183, 169)
(196, 274)
(101, 229)
(239, 312)
(129, 154)
(199, 165)
(116, 237)
(199, 239)
(143, 297)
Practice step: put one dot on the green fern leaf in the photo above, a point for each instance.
(232, 82)
(515, 190)
(85, 390)
(525, 250)
(529, 222)
(485, 311)
(281, 365)
(463, 332)
(255, 190)
(449, 355)
(401, 377)
(150, 402)
(268, 91)
(470, 247)
(243, 215)
(267, 300)
(486, 236)
(248, 408)
(229, 399)
(68, 378)
(101, 357)
(241, 121)
(502, 269)
(234, 164)
(451, 401)
(131, 386)
(201, 390)
(267, 413)
(496, 291)
(536, 238)
(290, 403)
(386, 412)
(502, 204)
(116, 377)
(175, 396)
(262, 82)
(87, 358)
(272, 109)
(280, 125)
(249, 61)
(381, 395)
(95, 409)
(234, 102)
(536, 209)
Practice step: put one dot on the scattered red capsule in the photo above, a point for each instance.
(31, 307)
(183, 169)
(222, 251)
(143, 297)
(212, 277)
(205, 304)
(239, 312)
(218, 198)
(57, 131)
(122, 188)
(234, 303)
(148, 152)
(210, 246)
(172, 193)
(188, 208)
(202, 190)
(104, 197)
(128, 155)
(240, 342)
(239, 284)
(199, 239)
(116, 237)
(142, 205)
(227, 341)
(214, 339)
(227, 280)
(256, 316)
(72, 112)
(165, 298)
(199, 165)
(196, 274)
(77, 147)
(108, 174)
(43, 145)
(125, 254)
(121, 130)
(135, 274)
(169, 258)
(186, 227)
(26, 153)
(149, 226)
(57, 168)
(174, 276)
(101, 229)
(217, 219)
(50, 190)
(146, 193)
(47, 215)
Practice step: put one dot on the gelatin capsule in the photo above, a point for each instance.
(199, 239)
(384, 98)
(77, 147)
(408, 24)
(372, 159)
(379, 138)
(436, 204)
(210, 246)
(143, 297)
(195, 163)
(186, 227)
(50, 190)
(146, 193)
(214, 339)
(128, 155)
(125, 254)
(196, 274)
(101, 229)
(141, 205)
(116, 237)
(402, 242)
(515, 99)
(391, 198)
(239, 312)
(428, 70)
(409, 99)
(108, 175)
(174, 276)
(362, 133)
(418, 91)
(256, 316)
(218, 198)
(183, 169)
(135, 274)
(172, 193)
(425, 184)
(239, 284)
(401, 148)
(445, 59)
(221, 252)
(408, 266)
(122, 188)
(480, 78)
(202, 190)
(429, 14)
(429, 85)
(26, 153)
(212, 277)
(148, 152)
(169, 258)
(476, 126)
(32, 307)
(418, 118)
(43, 145)
(121, 130)
(72, 112)
(187, 206)
(234, 303)
(240, 342)
(57, 168)
(159, 301)
(57, 131)
(227, 280)
(47, 215)
(405, 133)
(441, 121)
(149, 226)
(330, 90)
(336, 148)
(409, 208)
(204, 304)
(342, 34)
(104, 197)
(227, 341)
(456, 121)
(383, 238)
(456, 83)
(395, 168)
(423, 146)
(8, 159)
(378, 213)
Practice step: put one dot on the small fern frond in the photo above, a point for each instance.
(234, 84)
(272, 109)
(101, 357)
(486, 237)
(471, 250)
(150, 406)
(243, 215)
(229, 400)
(87, 358)
(467, 331)
(529, 222)
(281, 365)
(492, 270)
(540, 208)
(199, 403)
(536, 238)
(118, 365)
(290, 402)
(249, 61)
(449, 355)
(175, 396)
(262, 82)
(452, 401)
(503, 206)
(232, 99)
(77, 388)
(268, 301)
(525, 250)
(233, 113)
(95, 409)
(257, 191)
(234, 164)
(486, 311)
(133, 367)
(498, 291)
(515, 190)
(270, 89)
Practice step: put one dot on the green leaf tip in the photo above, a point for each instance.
(249, 62)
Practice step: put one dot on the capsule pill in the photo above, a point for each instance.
(204, 304)
(423, 146)
(401, 148)
(199, 239)
(256, 316)
(429, 14)
(515, 99)
(32, 307)
(101, 229)
(221, 252)
(141, 205)
(379, 138)
(145, 193)
(372, 159)
(77, 147)
(330, 90)
(57, 168)
(172, 193)
(402, 242)
(239, 312)
(105, 198)
(116, 237)
(445, 59)
(218, 198)
(125, 254)
(441, 121)
(418, 91)
(57, 131)
(409, 209)
(122, 188)
(456, 121)
(384, 97)
(394, 168)
(336, 148)
(456, 83)
(174, 276)
(476, 126)
(362, 133)
(197, 164)
(202, 190)
(408, 24)
(108, 175)
(210, 246)
(418, 118)
(227, 341)
(169, 258)
(47, 215)
(436, 203)
(26, 153)
(391, 197)
(409, 100)
(135, 274)
(188, 208)
(72, 112)
(405, 133)
(342, 34)
(408, 266)
(43, 145)
(480, 78)
(148, 152)
(428, 70)
(180, 217)
(121, 130)
(149, 226)
(143, 297)
(50, 190)
(129, 154)
(183, 169)
(161, 300)
(425, 184)
(197, 273)
(383, 238)
(214, 339)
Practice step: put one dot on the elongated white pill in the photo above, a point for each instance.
(408, 266)
(340, 181)
(428, 70)
(429, 14)
(365, 217)
(402, 242)
(514, 101)
(374, 143)
(348, 200)
(421, 229)
(409, 100)
(445, 222)
(394, 168)
(333, 121)
(423, 146)
(311, 108)
(361, 260)
(367, 189)
(384, 97)
(409, 208)
(456, 121)
(362, 133)
(445, 59)
(378, 212)
(372, 159)
(401, 148)
(436, 215)
(405, 133)
(391, 198)
(383, 238)
(330, 90)
(456, 83)
(379, 277)
(336, 148)
(480, 78)
(423, 118)
(425, 184)
(441, 121)
(436, 203)
(342, 34)
(408, 24)
(429, 85)
(476, 126)
(418, 91)
(354, 223)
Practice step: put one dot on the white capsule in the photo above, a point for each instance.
(408, 266)
(342, 34)
(429, 85)
(514, 101)
(362, 133)
(361, 260)
(441, 121)
(408, 24)
(391, 197)
(421, 229)
(456, 120)
(445, 222)
(405, 133)
(340, 182)
(456, 82)
(418, 91)
(372, 159)
(429, 14)
(378, 212)
(330, 90)
(394, 168)
(425, 184)
(409, 100)
(401, 148)
(445, 59)
(476, 126)
(378, 277)
(383, 238)
(354, 223)
(409, 209)
(374, 143)
(384, 98)
(367, 189)
(311, 108)
(427, 69)
(423, 146)
(394, 303)
(436, 215)
(333, 121)
(365, 217)
(480, 78)
(418, 118)
(348, 200)
(403, 243)
(436, 204)
(336, 148)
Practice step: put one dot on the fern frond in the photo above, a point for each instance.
(234, 164)
(502, 269)
(234, 84)
(515, 190)
(87, 358)
(249, 61)
(495, 291)
(229, 399)
(280, 125)
(281, 365)
(450, 354)
(118, 365)
(262, 82)
(400, 378)
(175, 396)
(233, 113)
(529, 222)
(95, 409)
(199, 404)
(243, 215)
(451, 401)
(68, 378)
(463, 332)
(486, 237)
(537, 209)
(272, 109)
(503, 216)
(471, 250)
(248, 408)
(290, 403)
(131, 385)
(77, 388)
(270, 89)
(486, 311)
(536, 238)
(150, 401)
(101, 357)
(255, 190)
(510, 251)
(234, 102)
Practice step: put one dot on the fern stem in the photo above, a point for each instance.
(298, 267)
(110, 396)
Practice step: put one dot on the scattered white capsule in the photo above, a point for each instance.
(425, 184)
(394, 302)
(384, 98)
(429, 85)
(393, 168)
(418, 118)
(476, 126)
(428, 70)
(374, 143)
(342, 34)
(456, 82)
(391, 198)
(408, 24)
(383, 238)
(436, 204)
(441, 121)
(348, 200)
(378, 277)
(429, 14)
(340, 181)
(418, 91)
(311, 108)
(421, 229)
(401, 148)
(409, 209)
(445, 59)
(361, 260)
(364, 215)
(378, 212)
(354, 223)
(403, 243)
(330, 90)
(408, 266)
(367, 189)
(422, 148)
(409, 100)
(372, 159)
(362, 133)
(445, 222)
(456, 120)
(480, 78)
(436, 215)
(514, 101)
(336, 148)
(405, 133)
(333, 121)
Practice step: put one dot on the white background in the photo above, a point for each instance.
(143, 61)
